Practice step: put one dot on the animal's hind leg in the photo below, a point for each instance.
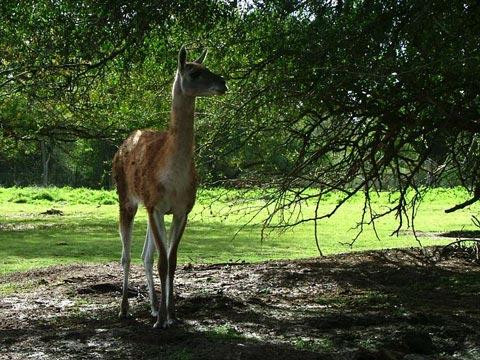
(127, 214)
(148, 258)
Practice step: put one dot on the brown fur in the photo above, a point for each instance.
(136, 167)
(157, 169)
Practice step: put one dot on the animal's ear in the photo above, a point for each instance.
(182, 58)
(202, 57)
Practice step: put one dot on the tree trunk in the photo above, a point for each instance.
(45, 161)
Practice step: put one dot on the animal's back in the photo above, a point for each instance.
(135, 163)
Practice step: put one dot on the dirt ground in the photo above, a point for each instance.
(375, 305)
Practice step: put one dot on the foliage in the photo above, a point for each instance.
(364, 96)
(347, 96)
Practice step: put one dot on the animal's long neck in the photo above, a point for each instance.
(181, 120)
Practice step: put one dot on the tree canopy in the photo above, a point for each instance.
(350, 96)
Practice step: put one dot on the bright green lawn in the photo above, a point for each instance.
(88, 230)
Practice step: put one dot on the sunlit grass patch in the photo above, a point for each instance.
(218, 230)
(13, 287)
(224, 332)
(317, 345)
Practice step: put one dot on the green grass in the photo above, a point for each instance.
(16, 288)
(224, 332)
(317, 345)
(87, 233)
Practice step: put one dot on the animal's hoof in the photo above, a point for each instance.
(160, 325)
(123, 315)
(173, 322)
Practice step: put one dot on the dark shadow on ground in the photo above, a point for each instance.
(104, 336)
(374, 305)
(469, 234)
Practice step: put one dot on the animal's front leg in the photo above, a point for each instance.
(157, 227)
(176, 232)
(162, 271)
(148, 258)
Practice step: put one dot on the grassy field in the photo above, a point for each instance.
(87, 232)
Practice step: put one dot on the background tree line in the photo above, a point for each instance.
(358, 95)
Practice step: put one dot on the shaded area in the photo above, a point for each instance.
(469, 234)
(374, 305)
(103, 288)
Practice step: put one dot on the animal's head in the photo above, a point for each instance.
(195, 79)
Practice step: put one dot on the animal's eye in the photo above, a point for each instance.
(194, 75)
